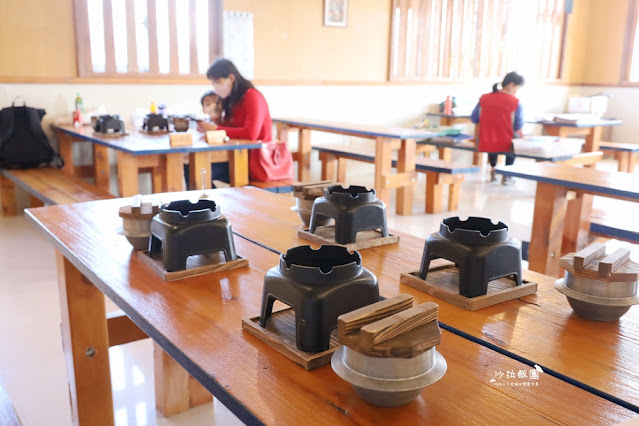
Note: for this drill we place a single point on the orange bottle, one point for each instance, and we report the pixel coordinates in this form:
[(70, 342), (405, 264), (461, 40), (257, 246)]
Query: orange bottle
[(448, 105)]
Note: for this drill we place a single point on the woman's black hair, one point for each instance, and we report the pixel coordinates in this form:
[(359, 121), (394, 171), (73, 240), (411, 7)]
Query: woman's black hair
[(206, 95), (222, 68), (511, 77)]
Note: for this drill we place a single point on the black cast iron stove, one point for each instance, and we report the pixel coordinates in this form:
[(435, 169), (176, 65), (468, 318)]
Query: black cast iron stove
[(480, 249), (107, 124), (354, 209), (320, 285), (155, 123), (184, 229)]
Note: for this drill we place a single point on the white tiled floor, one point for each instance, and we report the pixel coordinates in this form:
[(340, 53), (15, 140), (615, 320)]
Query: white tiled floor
[(32, 366)]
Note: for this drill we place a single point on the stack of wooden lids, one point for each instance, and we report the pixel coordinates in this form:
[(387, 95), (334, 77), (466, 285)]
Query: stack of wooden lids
[(392, 328), (136, 221), (310, 191), (592, 262)]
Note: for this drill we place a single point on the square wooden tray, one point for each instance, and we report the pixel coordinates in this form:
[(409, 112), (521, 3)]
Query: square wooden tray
[(279, 334), (195, 265), (363, 240), (443, 282)]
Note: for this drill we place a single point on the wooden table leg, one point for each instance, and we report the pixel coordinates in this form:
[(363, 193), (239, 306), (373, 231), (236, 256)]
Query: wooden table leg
[(383, 165), (127, 164), (592, 139), (175, 390), (174, 172), (341, 170), (86, 346), (35, 202), (65, 146), (577, 229), (304, 156), (239, 167), (101, 166), (547, 229), (197, 162), (406, 164), (8, 196)]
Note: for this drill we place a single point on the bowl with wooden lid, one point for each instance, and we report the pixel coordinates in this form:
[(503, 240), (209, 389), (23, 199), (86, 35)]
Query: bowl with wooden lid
[(388, 353), (599, 286)]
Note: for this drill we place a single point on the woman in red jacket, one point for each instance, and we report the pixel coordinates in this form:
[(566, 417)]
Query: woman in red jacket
[(500, 116), (245, 111)]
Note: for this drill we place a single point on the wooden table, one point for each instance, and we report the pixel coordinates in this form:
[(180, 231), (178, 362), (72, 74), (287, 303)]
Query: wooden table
[(542, 329), (386, 140), (138, 150), (553, 236), (591, 130), (197, 321)]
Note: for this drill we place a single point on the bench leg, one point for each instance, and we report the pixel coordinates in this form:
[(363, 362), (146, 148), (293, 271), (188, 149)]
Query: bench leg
[(433, 193), (632, 161), (623, 160), (453, 194), (328, 165), (175, 390), (86, 346), (8, 196), (479, 159), (444, 153)]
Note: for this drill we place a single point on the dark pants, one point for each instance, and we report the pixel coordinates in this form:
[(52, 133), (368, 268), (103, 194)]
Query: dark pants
[(219, 171), (492, 157)]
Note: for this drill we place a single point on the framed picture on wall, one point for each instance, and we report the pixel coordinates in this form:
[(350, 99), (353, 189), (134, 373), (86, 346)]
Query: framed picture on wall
[(335, 12)]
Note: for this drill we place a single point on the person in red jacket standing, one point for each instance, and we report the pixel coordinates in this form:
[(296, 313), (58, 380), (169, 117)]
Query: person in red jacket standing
[(500, 116)]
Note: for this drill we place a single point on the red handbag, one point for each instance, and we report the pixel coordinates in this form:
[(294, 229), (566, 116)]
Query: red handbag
[(273, 161)]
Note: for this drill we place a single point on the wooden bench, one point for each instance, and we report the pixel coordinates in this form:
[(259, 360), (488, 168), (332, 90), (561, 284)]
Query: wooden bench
[(625, 153), (438, 173), (284, 186), (46, 186), (614, 225)]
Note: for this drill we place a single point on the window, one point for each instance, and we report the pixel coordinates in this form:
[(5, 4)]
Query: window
[(461, 39), (147, 38), (630, 67)]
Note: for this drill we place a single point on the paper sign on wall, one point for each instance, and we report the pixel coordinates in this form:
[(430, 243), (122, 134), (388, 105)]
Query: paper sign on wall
[(238, 41)]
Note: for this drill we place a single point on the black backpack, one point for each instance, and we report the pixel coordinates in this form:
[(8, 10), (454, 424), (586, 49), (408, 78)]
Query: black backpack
[(23, 143)]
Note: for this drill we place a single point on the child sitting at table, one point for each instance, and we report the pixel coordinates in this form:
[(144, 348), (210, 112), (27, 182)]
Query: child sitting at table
[(212, 106), (501, 117)]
